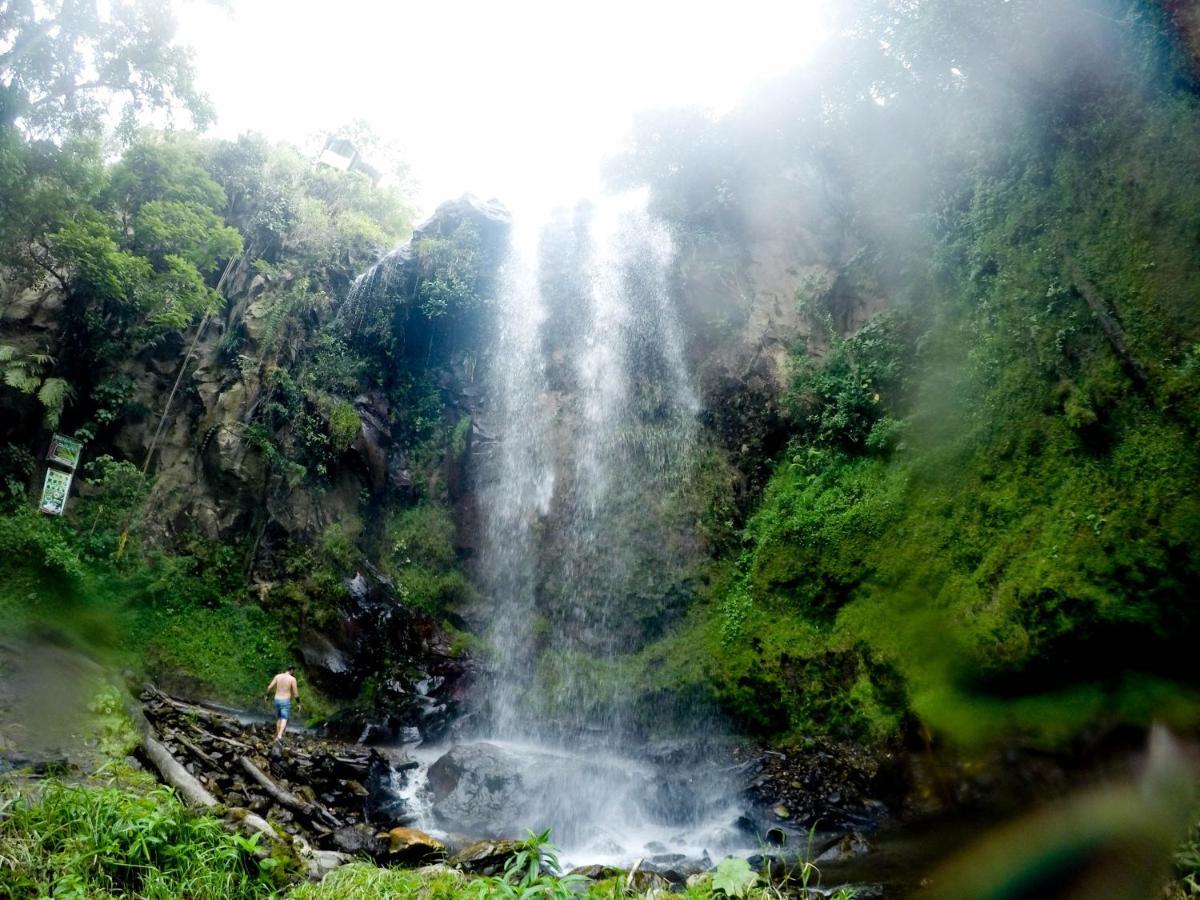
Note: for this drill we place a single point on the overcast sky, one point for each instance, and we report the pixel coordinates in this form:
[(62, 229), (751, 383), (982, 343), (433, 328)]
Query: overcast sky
[(519, 101)]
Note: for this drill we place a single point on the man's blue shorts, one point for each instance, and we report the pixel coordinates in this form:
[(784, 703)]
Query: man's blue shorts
[(283, 709)]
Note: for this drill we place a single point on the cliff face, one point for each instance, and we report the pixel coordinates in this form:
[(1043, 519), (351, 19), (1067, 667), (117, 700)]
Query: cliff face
[(212, 476), (313, 448)]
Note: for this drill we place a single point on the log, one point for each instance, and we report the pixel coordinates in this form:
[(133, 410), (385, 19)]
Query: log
[(175, 774), (311, 811), (231, 742), (222, 720), (198, 753)]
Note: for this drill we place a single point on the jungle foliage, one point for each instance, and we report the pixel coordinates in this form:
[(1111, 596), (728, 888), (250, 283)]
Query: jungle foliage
[(985, 518), (133, 244)]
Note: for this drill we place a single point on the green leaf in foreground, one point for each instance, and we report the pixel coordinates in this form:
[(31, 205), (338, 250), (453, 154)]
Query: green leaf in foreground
[(734, 877)]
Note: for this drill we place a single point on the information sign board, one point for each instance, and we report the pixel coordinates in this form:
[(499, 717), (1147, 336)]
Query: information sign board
[(55, 491)]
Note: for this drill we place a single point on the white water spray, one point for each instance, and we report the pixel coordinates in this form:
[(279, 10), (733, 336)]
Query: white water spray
[(594, 425)]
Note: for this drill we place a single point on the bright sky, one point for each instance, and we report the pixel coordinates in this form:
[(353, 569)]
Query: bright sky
[(518, 100)]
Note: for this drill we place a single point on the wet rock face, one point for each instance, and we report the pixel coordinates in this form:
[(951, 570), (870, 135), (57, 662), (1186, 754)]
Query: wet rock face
[(477, 788), (831, 786), (385, 806), (417, 695)]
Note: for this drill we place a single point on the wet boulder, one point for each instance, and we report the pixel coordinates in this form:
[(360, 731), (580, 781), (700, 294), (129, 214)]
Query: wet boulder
[(596, 872), (644, 881), (476, 788), (385, 806), (485, 857), (847, 847), (412, 847), (359, 840)]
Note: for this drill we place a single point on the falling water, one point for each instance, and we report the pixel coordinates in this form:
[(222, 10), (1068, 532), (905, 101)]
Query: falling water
[(594, 421), (521, 484)]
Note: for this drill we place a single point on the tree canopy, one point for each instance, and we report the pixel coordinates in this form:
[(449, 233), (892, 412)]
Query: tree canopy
[(67, 64)]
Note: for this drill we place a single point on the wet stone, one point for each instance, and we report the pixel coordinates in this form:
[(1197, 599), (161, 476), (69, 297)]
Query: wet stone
[(846, 848), (596, 872), (485, 857), (412, 847)]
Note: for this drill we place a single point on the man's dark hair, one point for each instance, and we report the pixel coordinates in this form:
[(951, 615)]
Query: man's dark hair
[(291, 668)]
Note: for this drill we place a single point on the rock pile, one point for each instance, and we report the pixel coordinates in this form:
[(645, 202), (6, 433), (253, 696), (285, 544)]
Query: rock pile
[(336, 796)]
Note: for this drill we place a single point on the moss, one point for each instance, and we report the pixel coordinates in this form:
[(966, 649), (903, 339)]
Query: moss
[(339, 542), (344, 424), (1016, 549), (422, 561)]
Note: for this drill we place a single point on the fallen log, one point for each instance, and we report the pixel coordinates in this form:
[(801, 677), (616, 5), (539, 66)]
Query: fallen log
[(231, 742), (198, 753), (312, 811), (221, 720), (174, 774)]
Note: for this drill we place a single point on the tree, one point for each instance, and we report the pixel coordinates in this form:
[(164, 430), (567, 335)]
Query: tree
[(64, 63)]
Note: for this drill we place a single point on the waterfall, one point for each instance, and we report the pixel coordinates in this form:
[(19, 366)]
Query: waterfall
[(594, 424), (520, 475)]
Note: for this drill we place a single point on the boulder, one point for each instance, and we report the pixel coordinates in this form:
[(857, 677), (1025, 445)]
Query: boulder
[(385, 806), (413, 847), (476, 788), (485, 857), (358, 839), (643, 881), (322, 862), (848, 847), (596, 872)]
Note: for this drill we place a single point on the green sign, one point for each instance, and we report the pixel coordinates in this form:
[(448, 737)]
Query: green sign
[(55, 491), (65, 451)]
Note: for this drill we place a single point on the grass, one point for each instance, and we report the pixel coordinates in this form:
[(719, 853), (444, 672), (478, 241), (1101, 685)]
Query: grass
[(127, 839), (75, 841)]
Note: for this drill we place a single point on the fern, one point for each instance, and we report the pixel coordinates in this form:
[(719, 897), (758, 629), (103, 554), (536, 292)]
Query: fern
[(16, 376), (54, 395), (7, 352)]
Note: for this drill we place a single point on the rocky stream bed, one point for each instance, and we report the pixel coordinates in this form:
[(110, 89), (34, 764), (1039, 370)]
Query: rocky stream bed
[(336, 800)]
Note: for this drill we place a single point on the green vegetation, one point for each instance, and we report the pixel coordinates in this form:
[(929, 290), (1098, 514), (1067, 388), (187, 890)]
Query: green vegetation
[(985, 517), (182, 619), (422, 560), (1187, 866), (116, 832), (533, 871), (74, 841), (129, 838), (144, 245), (978, 513)]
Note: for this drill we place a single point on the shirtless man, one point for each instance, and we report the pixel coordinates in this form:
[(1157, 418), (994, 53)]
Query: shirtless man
[(286, 690)]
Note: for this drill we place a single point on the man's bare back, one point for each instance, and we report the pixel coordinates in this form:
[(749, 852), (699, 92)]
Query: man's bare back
[(285, 686), (286, 690)]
